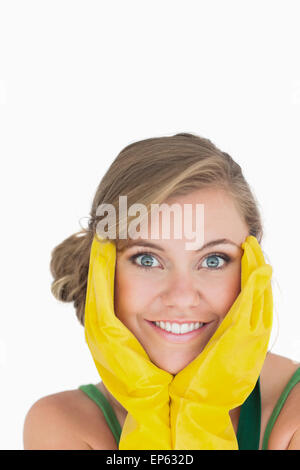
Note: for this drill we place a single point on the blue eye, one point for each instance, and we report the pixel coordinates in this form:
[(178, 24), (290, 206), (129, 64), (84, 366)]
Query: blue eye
[(214, 261), (146, 257), (213, 264)]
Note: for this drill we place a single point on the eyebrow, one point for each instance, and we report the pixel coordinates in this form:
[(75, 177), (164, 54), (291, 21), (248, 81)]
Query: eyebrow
[(220, 241)]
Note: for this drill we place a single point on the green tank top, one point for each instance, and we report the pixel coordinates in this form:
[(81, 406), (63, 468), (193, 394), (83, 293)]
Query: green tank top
[(248, 433)]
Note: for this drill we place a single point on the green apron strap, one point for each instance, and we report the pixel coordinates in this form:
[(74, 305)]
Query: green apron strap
[(248, 433)]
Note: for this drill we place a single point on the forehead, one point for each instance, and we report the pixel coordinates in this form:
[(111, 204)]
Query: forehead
[(221, 219), (221, 216)]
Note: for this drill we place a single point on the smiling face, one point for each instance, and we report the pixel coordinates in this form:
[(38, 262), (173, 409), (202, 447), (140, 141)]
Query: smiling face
[(169, 283)]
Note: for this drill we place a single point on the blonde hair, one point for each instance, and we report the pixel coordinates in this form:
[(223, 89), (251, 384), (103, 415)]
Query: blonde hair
[(149, 172)]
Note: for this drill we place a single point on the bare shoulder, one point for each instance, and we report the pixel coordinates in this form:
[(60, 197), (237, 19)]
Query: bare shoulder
[(275, 374), (66, 420)]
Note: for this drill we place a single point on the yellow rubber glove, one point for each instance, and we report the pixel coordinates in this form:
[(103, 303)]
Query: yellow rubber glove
[(124, 366), (226, 371)]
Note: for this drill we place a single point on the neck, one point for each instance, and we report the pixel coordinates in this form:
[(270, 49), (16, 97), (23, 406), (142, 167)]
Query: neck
[(111, 399)]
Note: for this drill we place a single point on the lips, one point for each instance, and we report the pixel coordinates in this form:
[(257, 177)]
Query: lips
[(180, 322), (178, 338), (174, 327)]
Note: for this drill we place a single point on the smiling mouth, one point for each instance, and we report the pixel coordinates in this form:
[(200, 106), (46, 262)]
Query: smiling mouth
[(178, 333)]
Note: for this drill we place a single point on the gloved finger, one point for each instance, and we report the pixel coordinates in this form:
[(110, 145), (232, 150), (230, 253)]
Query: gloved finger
[(252, 258), (261, 309), (268, 307)]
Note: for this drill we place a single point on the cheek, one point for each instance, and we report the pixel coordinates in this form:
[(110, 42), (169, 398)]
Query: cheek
[(226, 292), (132, 293)]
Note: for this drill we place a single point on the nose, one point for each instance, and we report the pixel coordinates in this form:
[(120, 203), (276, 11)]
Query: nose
[(181, 293)]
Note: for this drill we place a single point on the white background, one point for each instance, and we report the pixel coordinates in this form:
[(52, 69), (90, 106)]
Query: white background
[(80, 80)]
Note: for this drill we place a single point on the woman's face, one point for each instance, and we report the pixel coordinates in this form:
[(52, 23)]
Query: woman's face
[(171, 283)]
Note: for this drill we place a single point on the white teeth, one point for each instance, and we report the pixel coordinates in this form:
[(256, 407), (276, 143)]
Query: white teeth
[(177, 328)]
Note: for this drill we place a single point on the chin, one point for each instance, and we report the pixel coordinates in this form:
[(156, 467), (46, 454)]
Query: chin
[(171, 370), (170, 367)]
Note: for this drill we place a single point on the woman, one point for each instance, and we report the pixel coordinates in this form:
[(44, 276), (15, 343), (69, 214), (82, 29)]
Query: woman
[(162, 286)]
